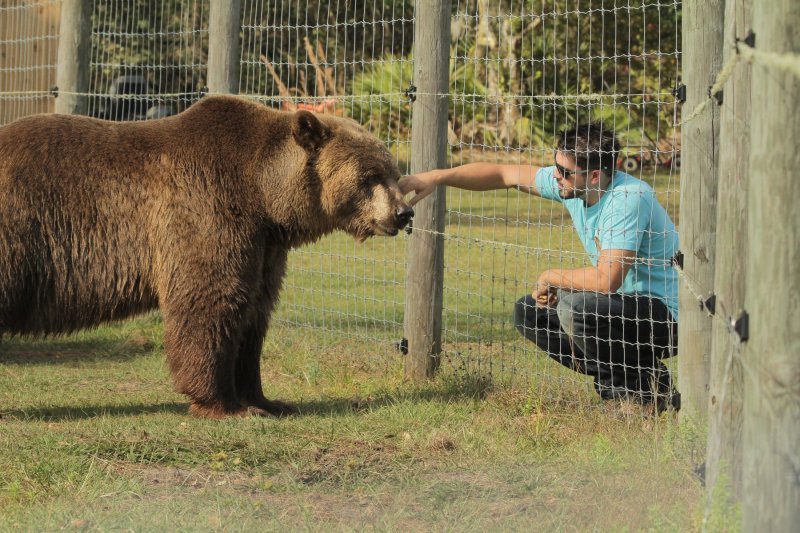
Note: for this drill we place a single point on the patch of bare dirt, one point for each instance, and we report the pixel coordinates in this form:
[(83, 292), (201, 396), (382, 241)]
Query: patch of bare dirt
[(197, 478), (356, 511), (138, 342), (351, 460)]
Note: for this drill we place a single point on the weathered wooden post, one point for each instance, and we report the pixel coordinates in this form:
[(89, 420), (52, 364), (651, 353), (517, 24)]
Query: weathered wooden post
[(771, 443), (74, 49), (224, 25), (424, 283), (726, 386), (702, 60)]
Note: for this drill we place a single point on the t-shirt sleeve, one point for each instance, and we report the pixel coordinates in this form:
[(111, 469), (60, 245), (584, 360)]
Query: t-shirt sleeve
[(547, 185), (625, 219)]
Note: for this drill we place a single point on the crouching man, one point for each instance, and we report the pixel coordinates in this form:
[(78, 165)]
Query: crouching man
[(614, 320)]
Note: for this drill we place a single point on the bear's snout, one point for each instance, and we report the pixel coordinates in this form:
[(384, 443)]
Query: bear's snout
[(403, 216)]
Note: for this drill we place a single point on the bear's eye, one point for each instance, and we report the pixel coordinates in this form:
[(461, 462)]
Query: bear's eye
[(372, 180)]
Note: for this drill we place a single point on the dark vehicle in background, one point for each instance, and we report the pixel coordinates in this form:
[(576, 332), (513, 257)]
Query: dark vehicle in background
[(649, 153), (635, 157), (128, 98)]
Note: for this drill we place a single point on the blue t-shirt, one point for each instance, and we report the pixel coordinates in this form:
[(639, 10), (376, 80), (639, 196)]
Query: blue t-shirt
[(627, 217)]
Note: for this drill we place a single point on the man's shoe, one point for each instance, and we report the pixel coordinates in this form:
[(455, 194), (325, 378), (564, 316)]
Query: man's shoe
[(672, 401)]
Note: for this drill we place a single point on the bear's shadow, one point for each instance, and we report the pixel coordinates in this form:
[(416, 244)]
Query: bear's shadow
[(58, 414), (331, 407), (63, 351)]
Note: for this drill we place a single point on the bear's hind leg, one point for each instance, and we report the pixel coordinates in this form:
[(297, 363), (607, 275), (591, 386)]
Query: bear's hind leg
[(248, 377)]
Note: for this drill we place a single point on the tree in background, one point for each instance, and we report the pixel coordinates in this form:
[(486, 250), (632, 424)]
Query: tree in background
[(519, 69)]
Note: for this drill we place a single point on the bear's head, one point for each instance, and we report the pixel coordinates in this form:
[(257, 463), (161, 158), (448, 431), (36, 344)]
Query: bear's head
[(357, 176)]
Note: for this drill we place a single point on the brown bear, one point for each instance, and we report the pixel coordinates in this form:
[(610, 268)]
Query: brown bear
[(193, 214)]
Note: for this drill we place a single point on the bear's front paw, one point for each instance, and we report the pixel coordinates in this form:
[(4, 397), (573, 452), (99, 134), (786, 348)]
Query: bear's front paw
[(216, 410), (272, 408)]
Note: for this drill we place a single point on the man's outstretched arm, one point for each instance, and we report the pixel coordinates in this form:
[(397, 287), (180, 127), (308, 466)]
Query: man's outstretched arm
[(472, 177)]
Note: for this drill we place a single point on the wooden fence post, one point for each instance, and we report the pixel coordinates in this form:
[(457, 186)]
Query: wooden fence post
[(224, 25), (702, 61), (74, 49), (424, 283), (726, 386), (771, 440)]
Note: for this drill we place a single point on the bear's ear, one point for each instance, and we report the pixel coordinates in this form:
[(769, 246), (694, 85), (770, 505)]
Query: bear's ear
[(309, 131)]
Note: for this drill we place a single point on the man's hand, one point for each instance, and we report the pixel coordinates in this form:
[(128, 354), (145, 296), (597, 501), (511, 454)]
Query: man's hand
[(422, 184), (545, 294)]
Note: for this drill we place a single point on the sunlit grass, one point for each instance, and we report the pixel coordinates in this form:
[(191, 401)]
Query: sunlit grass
[(93, 436)]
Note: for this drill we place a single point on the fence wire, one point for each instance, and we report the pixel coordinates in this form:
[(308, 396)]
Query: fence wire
[(349, 59), (148, 60), (28, 55), (519, 71)]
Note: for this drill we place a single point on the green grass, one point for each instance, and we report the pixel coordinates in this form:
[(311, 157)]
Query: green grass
[(93, 437)]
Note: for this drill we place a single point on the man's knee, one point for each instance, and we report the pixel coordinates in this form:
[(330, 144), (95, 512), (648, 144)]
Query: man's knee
[(533, 322), (524, 313), (569, 309)]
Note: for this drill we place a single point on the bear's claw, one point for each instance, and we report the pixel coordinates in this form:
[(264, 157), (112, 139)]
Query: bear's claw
[(272, 408)]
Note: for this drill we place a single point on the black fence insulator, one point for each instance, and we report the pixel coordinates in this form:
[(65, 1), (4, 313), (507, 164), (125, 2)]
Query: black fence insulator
[(410, 93), (677, 259), (679, 93), (203, 91), (402, 346), (710, 304), (741, 325), (410, 227), (749, 40), (717, 96), (54, 91)]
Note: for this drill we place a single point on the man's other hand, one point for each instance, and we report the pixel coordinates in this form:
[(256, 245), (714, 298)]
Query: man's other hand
[(545, 294)]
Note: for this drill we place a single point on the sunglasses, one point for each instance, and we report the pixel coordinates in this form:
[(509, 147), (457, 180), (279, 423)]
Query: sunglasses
[(566, 173)]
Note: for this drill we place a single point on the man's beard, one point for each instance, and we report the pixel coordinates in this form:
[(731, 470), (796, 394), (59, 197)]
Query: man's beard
[(572, 194)]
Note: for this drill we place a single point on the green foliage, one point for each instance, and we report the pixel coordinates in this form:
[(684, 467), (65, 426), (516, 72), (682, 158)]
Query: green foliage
[(627, 50), (378, 102), (518, 75), (519, 71), (723, 511), (316, 48), (378, 98)]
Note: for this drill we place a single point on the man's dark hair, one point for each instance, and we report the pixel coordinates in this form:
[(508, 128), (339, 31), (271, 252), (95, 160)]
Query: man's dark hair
[(592, 146)]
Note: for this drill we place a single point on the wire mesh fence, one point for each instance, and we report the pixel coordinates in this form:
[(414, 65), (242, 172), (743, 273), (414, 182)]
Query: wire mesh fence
[(148, 59), (519, 71), (28, 50), (350, 59)]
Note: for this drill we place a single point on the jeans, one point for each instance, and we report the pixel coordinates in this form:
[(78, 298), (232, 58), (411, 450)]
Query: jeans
[(617, 339)]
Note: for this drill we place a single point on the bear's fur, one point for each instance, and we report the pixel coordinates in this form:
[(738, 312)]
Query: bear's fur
[(193, 214)]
